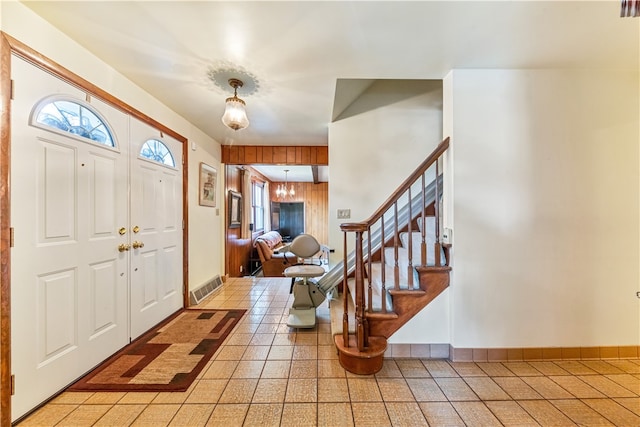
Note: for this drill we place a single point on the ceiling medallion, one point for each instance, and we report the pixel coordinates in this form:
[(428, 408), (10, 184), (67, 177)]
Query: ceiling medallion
[(221, 75)]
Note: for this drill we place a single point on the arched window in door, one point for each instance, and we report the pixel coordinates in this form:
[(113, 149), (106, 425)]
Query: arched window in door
[(156, 151), (71, 116)]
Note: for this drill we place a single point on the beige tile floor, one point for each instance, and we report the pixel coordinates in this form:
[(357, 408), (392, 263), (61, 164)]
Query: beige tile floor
[(267, 374)]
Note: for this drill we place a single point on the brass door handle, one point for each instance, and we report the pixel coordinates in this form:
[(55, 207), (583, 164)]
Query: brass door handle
[(137, 244), (123, 247)]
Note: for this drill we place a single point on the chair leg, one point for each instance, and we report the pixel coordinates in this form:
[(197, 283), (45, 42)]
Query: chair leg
[(293, 280)]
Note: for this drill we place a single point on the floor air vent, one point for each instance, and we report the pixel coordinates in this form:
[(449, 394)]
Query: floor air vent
[(205, 290)]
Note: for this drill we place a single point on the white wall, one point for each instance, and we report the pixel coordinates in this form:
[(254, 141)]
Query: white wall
[(206, 224), (206, 229), (373, 147), (376, 143), (545, 213)]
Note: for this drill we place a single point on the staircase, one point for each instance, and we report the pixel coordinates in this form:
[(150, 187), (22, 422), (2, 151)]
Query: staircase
[(397, 267)]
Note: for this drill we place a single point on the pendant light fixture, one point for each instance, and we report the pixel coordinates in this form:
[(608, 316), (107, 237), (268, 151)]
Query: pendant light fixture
[(282, 191), (629, 8), (235, 116)]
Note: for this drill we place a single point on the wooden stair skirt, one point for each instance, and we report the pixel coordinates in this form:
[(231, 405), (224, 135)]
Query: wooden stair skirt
[(406, 304)]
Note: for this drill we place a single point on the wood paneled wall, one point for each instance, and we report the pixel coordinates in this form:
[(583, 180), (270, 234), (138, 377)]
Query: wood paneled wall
[(316, 206), (238, 250), (268, 154), (314, 196), (316, 210)]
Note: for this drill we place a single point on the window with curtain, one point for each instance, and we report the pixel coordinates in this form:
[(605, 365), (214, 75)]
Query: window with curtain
[(257, 205)]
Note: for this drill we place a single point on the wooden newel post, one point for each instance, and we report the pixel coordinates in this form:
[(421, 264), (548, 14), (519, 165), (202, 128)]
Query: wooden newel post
[(360, 316), (361, 321), (345, 296)]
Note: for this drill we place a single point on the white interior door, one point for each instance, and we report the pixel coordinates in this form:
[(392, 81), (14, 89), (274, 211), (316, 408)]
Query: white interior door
[(69, 282), (156, 222)]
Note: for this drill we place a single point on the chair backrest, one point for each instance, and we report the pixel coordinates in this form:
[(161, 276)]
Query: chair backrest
[(264, 251), (305, 246)]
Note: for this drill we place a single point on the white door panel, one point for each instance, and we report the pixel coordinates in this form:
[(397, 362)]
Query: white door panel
[(146, 278), (103, 279), (103, 196), (156, 208), (57, 328), (58, 192), (171, 271), (69, 197)]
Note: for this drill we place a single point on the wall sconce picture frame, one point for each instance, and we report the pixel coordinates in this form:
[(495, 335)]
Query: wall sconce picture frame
[(235, 209), (208, 183)]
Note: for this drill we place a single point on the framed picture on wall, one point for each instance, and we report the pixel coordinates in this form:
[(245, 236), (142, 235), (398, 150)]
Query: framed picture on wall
[(208, 181), (235, 209)]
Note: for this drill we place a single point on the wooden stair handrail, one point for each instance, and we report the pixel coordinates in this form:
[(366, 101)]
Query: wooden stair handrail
[(433, 157), (363, 297)]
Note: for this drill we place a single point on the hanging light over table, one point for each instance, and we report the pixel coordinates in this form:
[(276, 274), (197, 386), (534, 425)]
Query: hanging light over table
[(629, 8), (235, 116), (282, 191)]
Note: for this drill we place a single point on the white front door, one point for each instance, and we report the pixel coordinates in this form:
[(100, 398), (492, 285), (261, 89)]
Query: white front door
[(69, 282), (156, 223)]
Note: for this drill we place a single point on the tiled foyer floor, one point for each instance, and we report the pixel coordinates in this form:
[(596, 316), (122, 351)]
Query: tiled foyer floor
[(269, 375)]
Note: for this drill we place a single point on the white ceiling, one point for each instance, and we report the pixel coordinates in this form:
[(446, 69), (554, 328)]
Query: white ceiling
[(295, 52), (276, 173)]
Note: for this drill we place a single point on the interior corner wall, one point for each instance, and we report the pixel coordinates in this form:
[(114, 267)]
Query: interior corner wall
[(375, 148), (546, 247), (206, 225), (378, 142)]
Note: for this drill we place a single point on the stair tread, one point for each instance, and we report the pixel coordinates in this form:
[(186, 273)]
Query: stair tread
[(414, 292), (389, 272), (376, 298), (416, 247), (389, 315), (376, 285), (433, 268)]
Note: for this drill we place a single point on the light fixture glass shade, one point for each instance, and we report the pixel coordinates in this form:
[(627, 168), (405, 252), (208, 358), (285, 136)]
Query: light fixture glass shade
[(235, 116), (282, 191)]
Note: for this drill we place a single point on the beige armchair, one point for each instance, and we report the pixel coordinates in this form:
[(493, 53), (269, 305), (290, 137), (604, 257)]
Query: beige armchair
[(273, 262)]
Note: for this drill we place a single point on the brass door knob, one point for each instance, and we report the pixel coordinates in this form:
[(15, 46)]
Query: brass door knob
[(137, 244), (123, 247)]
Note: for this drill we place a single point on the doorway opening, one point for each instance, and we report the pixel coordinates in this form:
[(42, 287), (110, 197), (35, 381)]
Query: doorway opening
[(291, 220)]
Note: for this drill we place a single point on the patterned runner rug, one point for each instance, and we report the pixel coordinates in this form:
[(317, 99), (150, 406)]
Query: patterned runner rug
[(167, 358)]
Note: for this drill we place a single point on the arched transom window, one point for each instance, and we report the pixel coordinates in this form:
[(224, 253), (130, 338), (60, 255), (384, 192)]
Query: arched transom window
[(70, 116), (158, 152)]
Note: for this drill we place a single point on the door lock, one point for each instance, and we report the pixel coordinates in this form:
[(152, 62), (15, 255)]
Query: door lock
[(123, 247), (137, 244)]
